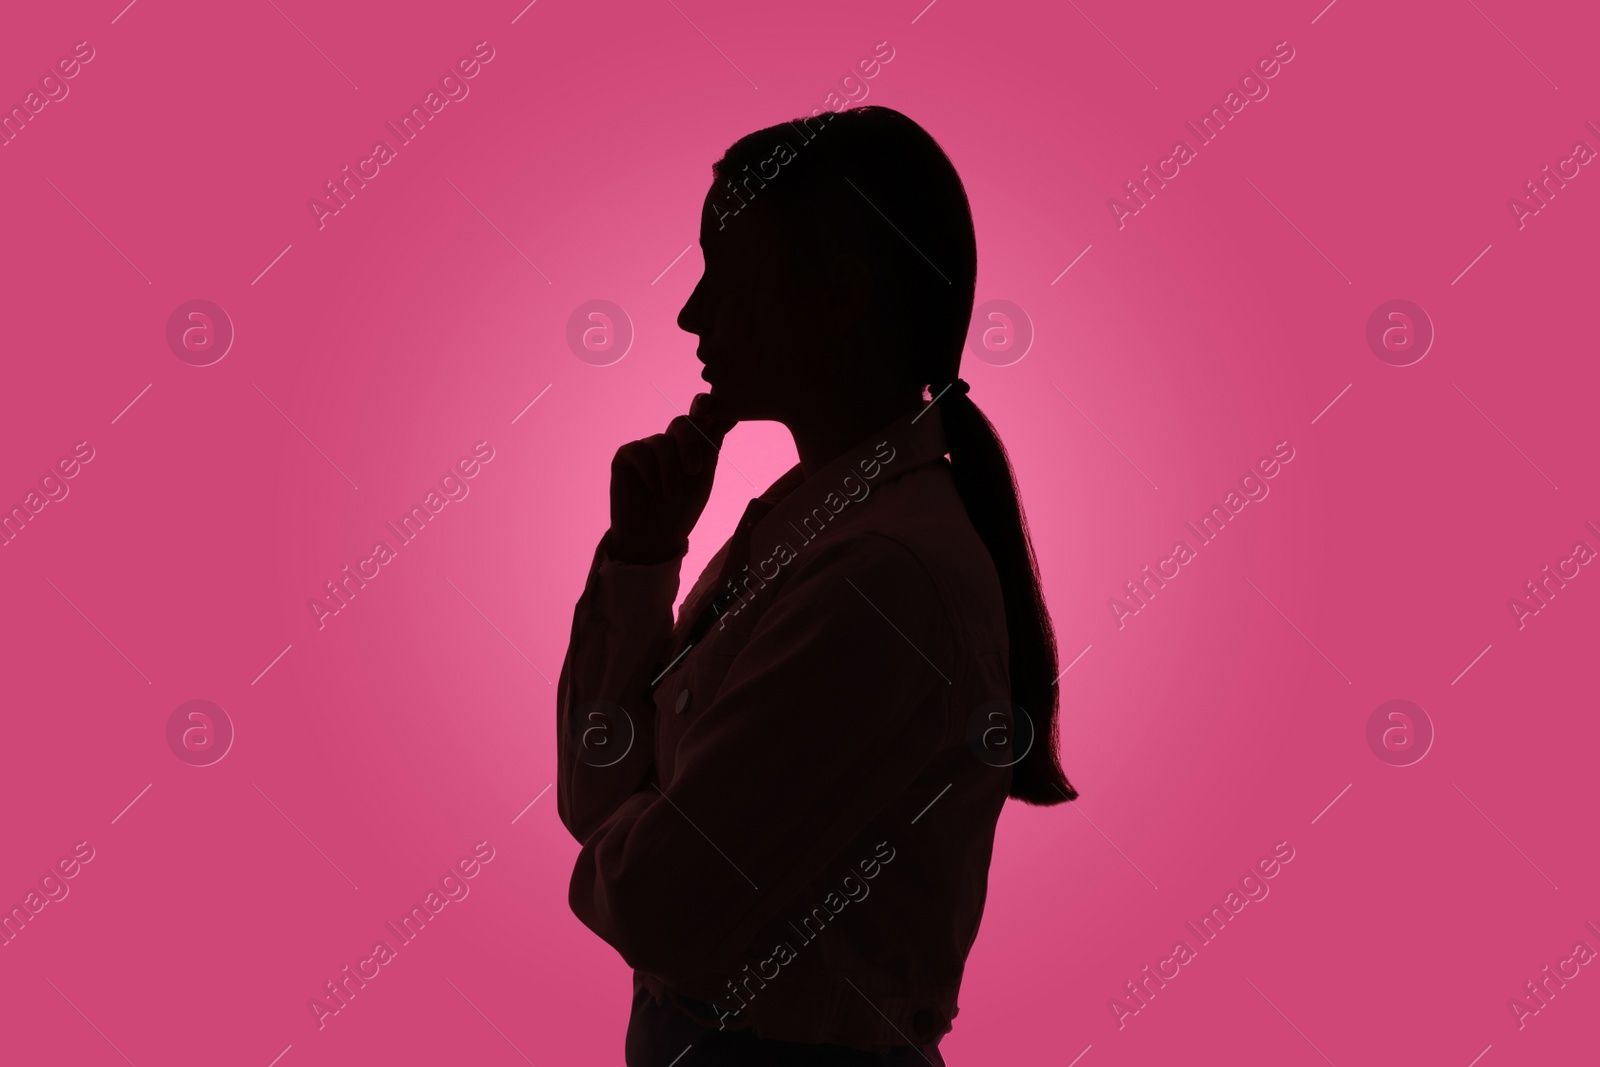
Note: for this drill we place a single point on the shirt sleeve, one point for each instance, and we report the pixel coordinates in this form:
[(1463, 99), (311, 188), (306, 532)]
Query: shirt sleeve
[(620, 630), (838, 700)]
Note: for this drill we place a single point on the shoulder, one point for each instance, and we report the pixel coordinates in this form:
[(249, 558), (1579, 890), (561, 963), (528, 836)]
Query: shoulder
[(914, 537)]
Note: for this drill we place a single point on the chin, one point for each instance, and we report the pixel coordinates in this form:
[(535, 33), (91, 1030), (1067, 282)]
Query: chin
[(728, 400)]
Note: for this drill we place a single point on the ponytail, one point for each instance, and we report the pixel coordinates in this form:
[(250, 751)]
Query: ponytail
[(988, 488)]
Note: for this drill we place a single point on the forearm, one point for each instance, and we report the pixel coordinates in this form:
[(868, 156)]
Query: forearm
[(605, 718)]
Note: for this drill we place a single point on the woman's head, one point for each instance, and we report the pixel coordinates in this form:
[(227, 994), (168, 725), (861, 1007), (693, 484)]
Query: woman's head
[(840, 259), (840, 269)]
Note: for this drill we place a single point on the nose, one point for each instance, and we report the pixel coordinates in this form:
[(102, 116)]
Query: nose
[(689, 315)]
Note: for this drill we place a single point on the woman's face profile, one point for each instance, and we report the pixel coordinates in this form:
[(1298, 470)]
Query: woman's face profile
[(759, 342)]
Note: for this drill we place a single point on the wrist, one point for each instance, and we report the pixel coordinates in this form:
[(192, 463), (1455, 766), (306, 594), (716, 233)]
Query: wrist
[(642, 553)]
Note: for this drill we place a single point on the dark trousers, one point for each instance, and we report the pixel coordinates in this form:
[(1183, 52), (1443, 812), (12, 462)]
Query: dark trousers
[(659, 1035)]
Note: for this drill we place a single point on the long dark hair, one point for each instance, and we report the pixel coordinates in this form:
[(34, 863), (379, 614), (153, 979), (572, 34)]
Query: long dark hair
[(848, 181)]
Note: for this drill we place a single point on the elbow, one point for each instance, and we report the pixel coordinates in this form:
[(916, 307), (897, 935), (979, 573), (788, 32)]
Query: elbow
[(568, 817), (572, 817), (583, 814), (645, 950), (640, 919)]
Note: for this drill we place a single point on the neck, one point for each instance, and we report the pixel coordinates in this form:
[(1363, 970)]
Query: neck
[(823, 437)]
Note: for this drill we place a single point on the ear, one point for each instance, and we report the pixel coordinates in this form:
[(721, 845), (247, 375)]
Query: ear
[(848, 292)]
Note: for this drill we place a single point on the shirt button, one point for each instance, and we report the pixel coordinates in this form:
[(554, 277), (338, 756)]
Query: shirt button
[(683, 701)]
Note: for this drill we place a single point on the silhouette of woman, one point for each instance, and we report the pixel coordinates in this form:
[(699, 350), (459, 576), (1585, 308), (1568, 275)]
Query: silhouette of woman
[(787, 799)]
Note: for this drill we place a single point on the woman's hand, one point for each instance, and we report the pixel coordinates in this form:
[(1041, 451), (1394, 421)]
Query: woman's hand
[(660, 484)]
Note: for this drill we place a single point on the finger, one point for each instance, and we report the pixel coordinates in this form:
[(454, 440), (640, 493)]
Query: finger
[(707, 413), (693, 447), (636, 458), (674, 479)]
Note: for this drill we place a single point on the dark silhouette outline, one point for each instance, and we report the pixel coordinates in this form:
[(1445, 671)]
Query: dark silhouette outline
[(840, 268)]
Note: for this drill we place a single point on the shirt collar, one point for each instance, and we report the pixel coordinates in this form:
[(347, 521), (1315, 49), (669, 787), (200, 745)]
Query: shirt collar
[(796, 509)]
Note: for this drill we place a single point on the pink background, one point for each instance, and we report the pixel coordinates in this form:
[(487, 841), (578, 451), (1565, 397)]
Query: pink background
[(1221, 720)]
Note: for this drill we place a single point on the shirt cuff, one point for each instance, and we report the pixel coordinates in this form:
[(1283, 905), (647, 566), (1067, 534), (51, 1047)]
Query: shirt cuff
[(625, 592)]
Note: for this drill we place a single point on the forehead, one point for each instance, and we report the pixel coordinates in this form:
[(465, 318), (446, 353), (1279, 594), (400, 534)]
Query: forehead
[(731, 227)]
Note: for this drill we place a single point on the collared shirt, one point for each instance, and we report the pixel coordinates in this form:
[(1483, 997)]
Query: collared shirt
[(786, 816)]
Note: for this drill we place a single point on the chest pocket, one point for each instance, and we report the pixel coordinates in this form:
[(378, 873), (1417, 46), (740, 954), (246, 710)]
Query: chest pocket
[(683, 695)]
